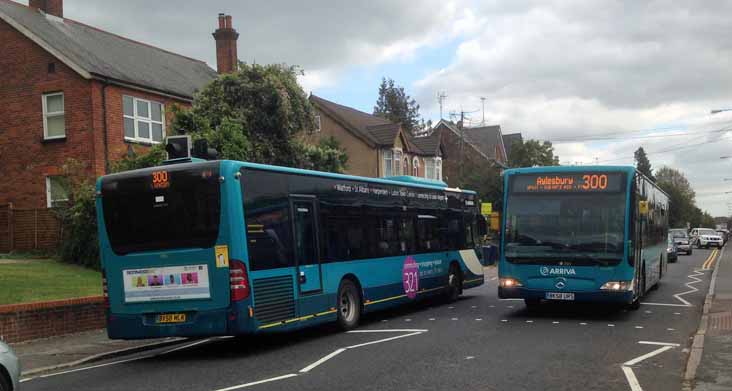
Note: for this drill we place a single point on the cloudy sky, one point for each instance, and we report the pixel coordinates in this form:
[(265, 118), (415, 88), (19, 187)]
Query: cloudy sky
[(597, 78)]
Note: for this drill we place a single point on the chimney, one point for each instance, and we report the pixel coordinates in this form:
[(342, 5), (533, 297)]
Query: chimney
[(225, 36), (51, 7)]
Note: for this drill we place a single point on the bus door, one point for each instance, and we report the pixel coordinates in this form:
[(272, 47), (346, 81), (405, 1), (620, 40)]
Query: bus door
[(305, 229)]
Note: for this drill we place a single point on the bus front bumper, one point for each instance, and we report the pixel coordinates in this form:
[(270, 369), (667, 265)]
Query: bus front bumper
[(625, 297)]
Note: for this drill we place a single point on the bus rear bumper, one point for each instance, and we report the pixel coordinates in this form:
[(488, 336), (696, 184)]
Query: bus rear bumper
[(589, 296), (142, 326)]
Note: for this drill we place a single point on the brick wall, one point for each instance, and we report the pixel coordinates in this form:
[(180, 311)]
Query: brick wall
[(23, 322), (26, 158), (453, 164)]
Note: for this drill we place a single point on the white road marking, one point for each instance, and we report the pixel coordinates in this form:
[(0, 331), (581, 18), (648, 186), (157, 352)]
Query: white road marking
[(677, 313), (384, 340), (473, 306), (407, 320), (666, 304), (363, 331), (504, 320), (555, 322), (478, 319), (322, 360), (610, 325), (451, 308), (583, 324), (659, 343), (671, 329), (529, 321), (469, 357), (186, 346), (258, 382), (648, 312), (431, 319), (454, 319), (639, 327), (509, 306), (628, 371), (688, 284), (494, 278)]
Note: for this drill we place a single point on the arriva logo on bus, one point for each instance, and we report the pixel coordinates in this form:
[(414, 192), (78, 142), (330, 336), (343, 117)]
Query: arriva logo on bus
[(554, 271)]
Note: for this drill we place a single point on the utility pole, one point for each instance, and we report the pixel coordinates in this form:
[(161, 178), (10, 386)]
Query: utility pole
[(441, 99), (462, 142), (482, 101)]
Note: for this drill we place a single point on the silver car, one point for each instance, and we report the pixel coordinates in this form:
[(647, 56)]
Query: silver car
[(9, 369)]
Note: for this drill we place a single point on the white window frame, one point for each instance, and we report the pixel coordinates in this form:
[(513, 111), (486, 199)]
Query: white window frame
[(49, 199), (415, 166), (388, 156), (47, 114), (429, 168), (135, 119), (317, 123), (438, 168), (397, 156)]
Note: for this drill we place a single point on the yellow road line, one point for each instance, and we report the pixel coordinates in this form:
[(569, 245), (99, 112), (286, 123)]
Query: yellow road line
[(710, 261)]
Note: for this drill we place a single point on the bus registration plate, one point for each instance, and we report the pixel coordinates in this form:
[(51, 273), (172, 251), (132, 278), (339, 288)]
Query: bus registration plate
[(171, 318), (559, 296)]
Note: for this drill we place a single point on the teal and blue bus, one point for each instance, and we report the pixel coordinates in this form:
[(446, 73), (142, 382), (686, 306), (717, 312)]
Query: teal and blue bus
[(584, 234), (226, 247)]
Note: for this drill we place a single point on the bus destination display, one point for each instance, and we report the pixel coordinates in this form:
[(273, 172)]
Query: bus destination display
[(593, 182)]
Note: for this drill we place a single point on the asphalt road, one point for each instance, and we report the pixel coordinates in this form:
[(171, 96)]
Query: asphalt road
[(477, 343)]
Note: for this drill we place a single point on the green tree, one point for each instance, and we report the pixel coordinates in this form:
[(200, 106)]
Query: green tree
[(395, 105), (681, 196), (643, 164), (255, 114), (532, 153)]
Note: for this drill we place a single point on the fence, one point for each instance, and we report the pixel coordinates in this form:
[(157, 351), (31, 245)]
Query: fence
[(28, 229)]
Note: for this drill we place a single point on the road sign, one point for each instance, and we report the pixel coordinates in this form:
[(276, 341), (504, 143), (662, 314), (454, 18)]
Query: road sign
[(643, 207), (486, 208)]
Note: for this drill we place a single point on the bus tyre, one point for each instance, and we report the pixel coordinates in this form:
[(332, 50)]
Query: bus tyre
[(349, 305), (454, 283), (4, 382)]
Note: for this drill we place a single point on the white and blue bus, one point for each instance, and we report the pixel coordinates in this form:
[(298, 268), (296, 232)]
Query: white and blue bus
[(589, 234), (228, 247)]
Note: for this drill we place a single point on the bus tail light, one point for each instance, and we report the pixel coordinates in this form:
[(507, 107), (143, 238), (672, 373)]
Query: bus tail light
[(105, 289), (239, 280)]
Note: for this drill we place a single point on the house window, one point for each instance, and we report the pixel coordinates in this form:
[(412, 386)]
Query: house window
[(317, 123), (405, 166), (54, 126), (397, 162), (415, 166), (429, 168), (438, 168), (56, 190), (144, 120), (388, 160)]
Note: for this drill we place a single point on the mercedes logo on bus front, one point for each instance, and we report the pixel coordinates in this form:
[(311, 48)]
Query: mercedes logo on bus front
[(561, 283), (544, 271)]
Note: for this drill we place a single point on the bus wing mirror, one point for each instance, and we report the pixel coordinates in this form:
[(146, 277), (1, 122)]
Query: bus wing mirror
[(482, 226)]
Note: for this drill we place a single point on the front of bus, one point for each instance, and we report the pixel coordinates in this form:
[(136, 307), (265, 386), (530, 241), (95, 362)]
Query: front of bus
[(168, 261), (564, 235)]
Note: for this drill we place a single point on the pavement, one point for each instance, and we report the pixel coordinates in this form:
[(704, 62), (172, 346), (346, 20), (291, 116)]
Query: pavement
[(714, 372), (48, 354), (477, 343)]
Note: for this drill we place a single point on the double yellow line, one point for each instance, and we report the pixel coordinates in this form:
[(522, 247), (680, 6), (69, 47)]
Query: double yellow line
[(707, 265)]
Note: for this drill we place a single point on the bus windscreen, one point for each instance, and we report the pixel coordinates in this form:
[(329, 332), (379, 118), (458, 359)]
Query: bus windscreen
[(166, 207), (576, 227)]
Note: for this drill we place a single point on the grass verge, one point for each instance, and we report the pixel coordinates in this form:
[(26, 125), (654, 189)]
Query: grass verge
[(30, 280)]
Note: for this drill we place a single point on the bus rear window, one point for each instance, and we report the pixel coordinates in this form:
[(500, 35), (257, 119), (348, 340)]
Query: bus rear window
[(162, 208)]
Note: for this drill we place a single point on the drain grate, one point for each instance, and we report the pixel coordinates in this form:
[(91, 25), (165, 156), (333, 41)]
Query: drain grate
[(720, 323)]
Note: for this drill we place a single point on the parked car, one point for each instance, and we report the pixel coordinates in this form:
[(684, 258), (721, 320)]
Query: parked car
[(671, 249), (682, 240), (706, 237), (9, 369), (724, 234)]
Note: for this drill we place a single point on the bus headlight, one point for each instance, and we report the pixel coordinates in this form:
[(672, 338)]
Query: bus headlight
[(617, 286), (509, 283)]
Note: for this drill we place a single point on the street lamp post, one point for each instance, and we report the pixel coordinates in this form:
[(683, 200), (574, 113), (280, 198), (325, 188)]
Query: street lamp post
[(717, 111)]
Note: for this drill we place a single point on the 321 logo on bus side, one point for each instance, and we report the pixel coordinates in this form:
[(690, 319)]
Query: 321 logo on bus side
[(410, 277)]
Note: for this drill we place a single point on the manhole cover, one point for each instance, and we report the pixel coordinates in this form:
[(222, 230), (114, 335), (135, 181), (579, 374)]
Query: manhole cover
[(720, 323)]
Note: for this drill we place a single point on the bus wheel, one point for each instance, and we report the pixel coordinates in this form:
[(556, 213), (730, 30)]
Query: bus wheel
[(635, 305), (454, 283), (349, 305)]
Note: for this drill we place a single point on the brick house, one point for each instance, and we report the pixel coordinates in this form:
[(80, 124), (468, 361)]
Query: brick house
[(469, 147), (69, 90), (375, 146), (509, 140)]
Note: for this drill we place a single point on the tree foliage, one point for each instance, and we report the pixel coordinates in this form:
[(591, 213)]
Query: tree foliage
[(532, 153), (643, 164), (682, 200), (395, 105)]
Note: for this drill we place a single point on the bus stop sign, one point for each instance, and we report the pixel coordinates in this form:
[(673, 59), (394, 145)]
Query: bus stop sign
[(486, 208)]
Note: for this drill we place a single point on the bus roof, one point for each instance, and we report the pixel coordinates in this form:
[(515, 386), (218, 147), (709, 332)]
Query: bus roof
[(404, 180), (534, 170)]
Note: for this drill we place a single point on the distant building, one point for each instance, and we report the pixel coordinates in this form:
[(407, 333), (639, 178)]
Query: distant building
[(469, 147), (69, 90), (509, 140), (376, 147)]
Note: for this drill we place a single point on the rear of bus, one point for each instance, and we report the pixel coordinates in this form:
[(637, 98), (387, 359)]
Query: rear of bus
[(564, 235), (168, 260)]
